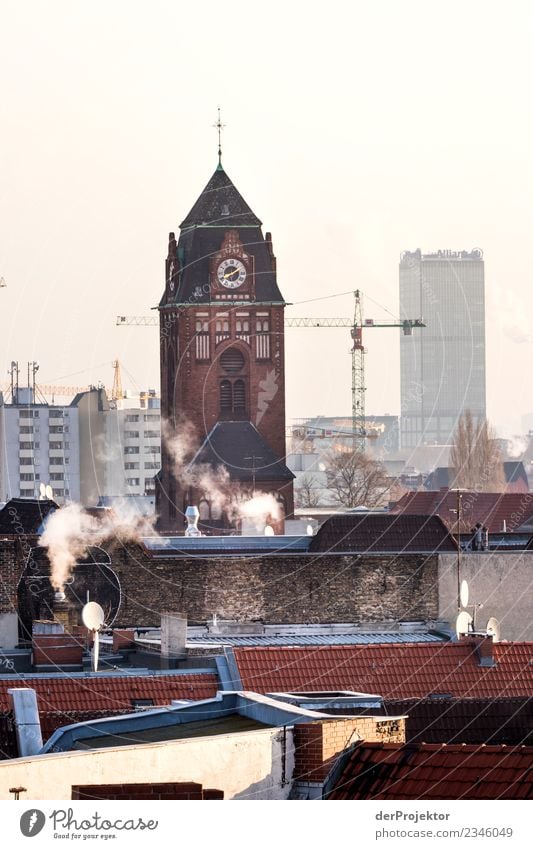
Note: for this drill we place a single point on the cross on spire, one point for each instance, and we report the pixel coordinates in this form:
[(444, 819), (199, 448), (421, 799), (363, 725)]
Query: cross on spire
[(219, 126)]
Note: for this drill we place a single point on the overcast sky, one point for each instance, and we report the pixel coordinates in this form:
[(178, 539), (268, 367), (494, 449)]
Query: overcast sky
[(354, 130)]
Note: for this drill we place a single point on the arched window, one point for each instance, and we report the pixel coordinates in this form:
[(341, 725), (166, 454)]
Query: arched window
[(226, 396), (232, 360), (239, 396)]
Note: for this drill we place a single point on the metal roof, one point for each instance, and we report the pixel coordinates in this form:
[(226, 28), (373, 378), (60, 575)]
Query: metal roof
[(313, 640)]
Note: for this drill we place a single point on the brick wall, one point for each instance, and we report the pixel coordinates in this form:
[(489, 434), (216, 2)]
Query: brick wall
[(306, 589), (318, 743), (168, 791)]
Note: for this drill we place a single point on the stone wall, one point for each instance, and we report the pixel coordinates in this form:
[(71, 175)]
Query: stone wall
[(276, 588)]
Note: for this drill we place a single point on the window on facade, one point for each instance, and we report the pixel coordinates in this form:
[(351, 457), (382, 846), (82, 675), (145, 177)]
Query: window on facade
[(262, 338), (133, 481), (27, 476), (151, 434), (131, 449), (55, 414), (56, 428), (226, 396), (132, 465), (56, 476), (25, 461), (239, 396), (131, 434), (232, 360), (55, 461), (151, 417), (202, 337), (152, 449), (132, 417), (26, 446), (26, 414), (55, 446), (26, 428), (222, 328), (151, 465)]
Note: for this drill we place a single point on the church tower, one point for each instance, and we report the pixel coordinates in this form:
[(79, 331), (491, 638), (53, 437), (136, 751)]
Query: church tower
[(222, 364)]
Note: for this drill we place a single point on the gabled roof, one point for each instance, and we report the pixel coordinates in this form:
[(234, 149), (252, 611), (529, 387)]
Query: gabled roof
[(429, 771), (444, 476), (392, 671), (379, 532), (25, 515), (88, 692), (488, 508), (220, 205), (233, 444)]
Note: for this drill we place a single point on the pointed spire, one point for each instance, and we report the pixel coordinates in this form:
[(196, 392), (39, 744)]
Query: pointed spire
[(219, 126)]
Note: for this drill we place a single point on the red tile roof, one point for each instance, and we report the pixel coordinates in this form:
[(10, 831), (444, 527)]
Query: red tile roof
[(488, 508), (394, 671), (86, 693), (429, 771), (380, 532)]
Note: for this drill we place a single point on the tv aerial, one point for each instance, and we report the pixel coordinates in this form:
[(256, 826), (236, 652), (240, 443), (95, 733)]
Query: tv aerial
[(93, 618)]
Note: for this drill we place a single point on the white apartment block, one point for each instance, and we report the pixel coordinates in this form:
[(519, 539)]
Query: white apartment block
[(39, 444)]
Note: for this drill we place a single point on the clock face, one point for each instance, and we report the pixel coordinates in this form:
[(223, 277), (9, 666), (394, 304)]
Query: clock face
[(231, 273)]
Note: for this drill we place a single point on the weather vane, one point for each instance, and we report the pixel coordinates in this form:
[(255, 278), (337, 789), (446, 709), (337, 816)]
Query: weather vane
[(219, 126)]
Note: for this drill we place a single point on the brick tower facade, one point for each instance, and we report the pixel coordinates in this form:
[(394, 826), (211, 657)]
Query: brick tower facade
[(222, 363)]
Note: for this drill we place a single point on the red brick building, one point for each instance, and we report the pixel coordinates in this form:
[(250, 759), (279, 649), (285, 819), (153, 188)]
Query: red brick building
[(222, 360)]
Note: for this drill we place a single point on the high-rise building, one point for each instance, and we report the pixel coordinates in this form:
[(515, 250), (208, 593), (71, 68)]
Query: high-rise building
[(222, 358), (442, 366)]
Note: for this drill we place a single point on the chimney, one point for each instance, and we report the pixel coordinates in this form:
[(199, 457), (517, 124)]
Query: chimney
[(484, 649), (173, 637), (23, 703)]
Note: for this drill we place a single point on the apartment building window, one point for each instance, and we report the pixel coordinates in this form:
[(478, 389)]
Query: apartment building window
[(55, 446), (152, 417), (26, 414), (152, 449), (26, 461), (132, 417), (130, 466), (151, 465), (131, 434), (25, 428), (59, 493), (28, 446), (56, 476), (151, 434), (27, 476), (55, 461), (56, 428), (149, 486), (133, 481), (131, 449), (26, 493), (55, 414)]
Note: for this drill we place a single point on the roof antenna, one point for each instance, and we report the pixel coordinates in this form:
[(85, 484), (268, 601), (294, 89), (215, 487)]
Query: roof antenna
[(219, 126)]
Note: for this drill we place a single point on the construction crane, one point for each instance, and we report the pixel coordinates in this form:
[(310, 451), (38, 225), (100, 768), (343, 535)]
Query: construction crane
[(356, 325)]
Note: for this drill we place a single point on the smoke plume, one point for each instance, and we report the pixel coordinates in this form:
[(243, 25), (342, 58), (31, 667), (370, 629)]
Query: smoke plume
[(70, 531)]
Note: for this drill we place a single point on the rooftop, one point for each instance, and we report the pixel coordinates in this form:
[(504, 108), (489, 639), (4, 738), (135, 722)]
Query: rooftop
[(431, 771), (383, 532), (400, 671), (491, 509)]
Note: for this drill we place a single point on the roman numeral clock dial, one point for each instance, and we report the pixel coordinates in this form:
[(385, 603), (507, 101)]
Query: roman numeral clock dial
[(231, 273)]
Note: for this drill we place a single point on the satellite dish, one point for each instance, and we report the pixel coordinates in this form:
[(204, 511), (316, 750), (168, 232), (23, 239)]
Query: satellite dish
[(462, 623), (92, 616), (463, 595), (42, 491), (493, 629), (93, 619), (49, 492)]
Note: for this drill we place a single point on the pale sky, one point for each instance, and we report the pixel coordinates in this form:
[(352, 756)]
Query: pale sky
[(354, 130)]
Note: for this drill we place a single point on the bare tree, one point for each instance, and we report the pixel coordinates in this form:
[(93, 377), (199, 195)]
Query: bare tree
[(476, 457), (307, 492), (355, 480)]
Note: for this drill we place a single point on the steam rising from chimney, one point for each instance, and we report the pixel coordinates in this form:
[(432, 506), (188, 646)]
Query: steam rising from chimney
[(70, 531)]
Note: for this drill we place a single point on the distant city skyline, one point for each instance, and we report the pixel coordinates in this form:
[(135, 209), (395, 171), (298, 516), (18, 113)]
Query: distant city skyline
[(347, 162)]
